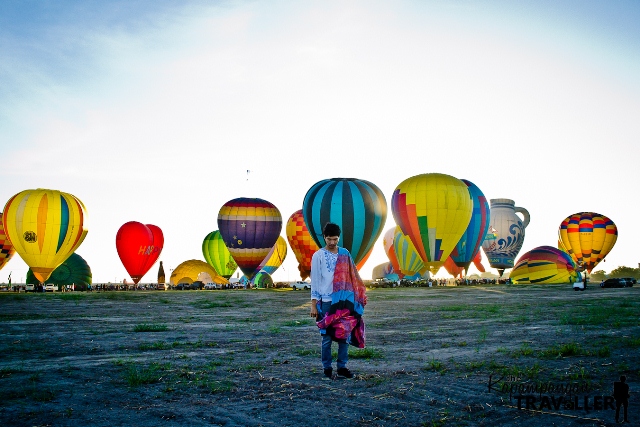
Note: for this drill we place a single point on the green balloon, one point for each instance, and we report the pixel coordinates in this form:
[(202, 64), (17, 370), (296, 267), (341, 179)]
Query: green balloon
[(262, 279), (74, 271), (217, 255)]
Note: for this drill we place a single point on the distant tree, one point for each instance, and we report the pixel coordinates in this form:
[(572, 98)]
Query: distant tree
[(598, 275), (624, 271)]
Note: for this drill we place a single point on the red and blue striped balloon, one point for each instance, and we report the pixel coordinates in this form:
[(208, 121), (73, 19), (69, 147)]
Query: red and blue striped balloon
[(356, 205), (471, 241)]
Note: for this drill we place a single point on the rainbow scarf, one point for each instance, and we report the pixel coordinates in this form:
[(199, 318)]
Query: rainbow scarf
[(344, 322)]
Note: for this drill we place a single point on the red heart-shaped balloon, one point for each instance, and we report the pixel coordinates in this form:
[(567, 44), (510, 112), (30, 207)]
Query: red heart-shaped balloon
[(139, 247)]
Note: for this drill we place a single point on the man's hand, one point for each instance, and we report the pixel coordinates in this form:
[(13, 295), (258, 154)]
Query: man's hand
[(314, 308)]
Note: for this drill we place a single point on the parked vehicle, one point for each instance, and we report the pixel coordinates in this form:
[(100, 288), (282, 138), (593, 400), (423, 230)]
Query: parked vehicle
[(617, 282), (301, 285)]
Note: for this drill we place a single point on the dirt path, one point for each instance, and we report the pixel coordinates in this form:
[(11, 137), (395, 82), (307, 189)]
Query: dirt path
[(251, 358)]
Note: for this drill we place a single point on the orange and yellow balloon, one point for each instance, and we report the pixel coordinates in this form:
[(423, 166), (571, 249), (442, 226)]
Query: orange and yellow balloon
[(587, 237), (433, 210), (45, 227)]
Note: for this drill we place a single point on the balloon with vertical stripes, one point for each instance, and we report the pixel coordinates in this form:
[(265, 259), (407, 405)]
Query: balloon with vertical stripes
[(45, 227), (356, 205)]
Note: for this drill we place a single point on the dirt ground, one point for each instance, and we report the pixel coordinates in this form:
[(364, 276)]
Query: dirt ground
[(435, 357)]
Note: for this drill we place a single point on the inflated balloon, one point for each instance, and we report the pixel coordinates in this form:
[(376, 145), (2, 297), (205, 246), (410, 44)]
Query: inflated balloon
[(249, 228), (452, 268), (588, 237), (471, 241), (361, 263), (73, 271), (275, 257), (262, 279), (387, 242), (192, 270), (433, 210), (6, 248), (357, 206), (45, 227), (409, 261), (384, 271), (477, 261), (139, 247), (217, 255), (544, 264), (506, 233), (301, 242)]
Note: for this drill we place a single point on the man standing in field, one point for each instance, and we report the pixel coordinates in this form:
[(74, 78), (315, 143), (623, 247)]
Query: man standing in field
[(338, 297)]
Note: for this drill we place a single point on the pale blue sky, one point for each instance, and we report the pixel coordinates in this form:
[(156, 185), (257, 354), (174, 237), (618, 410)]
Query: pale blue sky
[(153, 111)]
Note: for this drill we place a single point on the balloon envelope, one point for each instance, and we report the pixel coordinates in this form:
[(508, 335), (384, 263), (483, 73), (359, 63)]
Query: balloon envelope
[(217, 255), (471, 241), (190, 271), (433, 210), (139, 247), (587, 237), (6, 248), (387, 242), (301, 242), (249, 228), (409, 260), (356, 205), (452, 268), (45, 227), (73, 271), (544, 264), (275, 257), (262, 279)]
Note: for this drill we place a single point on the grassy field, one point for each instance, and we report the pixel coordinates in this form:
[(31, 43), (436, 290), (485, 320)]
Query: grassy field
[(434, 357)]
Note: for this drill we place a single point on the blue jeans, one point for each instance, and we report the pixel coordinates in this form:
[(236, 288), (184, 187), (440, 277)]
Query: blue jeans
[(343, 347)]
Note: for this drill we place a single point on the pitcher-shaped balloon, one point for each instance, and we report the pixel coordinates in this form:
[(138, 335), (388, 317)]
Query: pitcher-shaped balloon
[(506, 233)]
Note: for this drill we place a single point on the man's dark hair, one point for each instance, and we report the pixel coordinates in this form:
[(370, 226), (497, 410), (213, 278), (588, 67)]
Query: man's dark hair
[(331, 229)]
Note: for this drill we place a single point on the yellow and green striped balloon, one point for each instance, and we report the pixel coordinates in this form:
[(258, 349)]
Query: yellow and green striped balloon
[(217, 255)]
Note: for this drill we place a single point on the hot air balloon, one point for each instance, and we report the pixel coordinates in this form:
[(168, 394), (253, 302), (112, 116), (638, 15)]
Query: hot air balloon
[(262, 279), (217, 255), (506, 233), (275, 257), (45, 227), (139, 247), (452, 268), (409, 261), (387, 242), (249, 228), (301, 243), (6, 248), (73, 271), (544, 264), (587, 237), (471, 241), (357, 206), (194, 270), (433, 210), (477, 261)]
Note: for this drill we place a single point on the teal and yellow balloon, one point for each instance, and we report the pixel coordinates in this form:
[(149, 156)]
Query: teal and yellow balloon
[(433, 210), (45, 227), (217, 255), (275, 258), (409, 261)]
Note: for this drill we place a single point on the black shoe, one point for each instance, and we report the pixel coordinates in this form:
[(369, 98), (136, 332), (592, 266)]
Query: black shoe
[(344, 372), (328, 372)]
